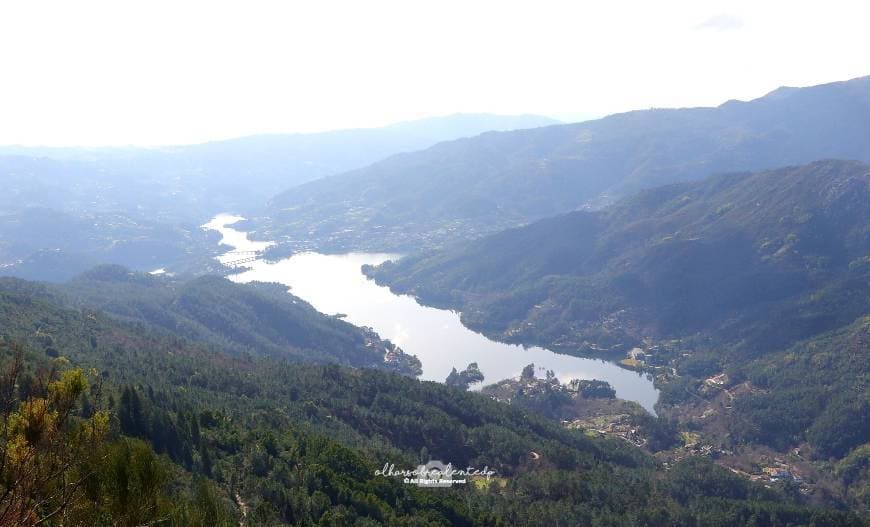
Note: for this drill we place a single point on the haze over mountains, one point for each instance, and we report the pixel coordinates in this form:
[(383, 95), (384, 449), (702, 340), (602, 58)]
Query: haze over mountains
[(66, 209), (194, 181), (477, 185)]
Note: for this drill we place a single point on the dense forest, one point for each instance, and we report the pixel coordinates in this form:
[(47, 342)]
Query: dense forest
[(816, 392), (149, 427), (667, 263), (258, 319)]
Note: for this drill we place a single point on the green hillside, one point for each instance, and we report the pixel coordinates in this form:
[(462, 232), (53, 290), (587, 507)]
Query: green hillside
[(259, 319), (761, 276), (710, 256), (268, 442)]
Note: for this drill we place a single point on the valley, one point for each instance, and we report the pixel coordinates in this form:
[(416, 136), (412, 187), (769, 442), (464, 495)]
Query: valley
[(334, 284)]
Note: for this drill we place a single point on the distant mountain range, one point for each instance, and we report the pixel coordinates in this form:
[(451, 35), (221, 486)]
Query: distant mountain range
[(194, 182), (63, 210), (473, 186)]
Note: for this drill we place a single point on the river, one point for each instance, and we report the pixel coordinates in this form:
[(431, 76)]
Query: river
[(335, 284)]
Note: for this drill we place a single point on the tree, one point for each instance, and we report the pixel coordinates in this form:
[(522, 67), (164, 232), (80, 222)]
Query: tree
[(528, 372), (453, 378), (45, 446), (130, 413), (470, 375)]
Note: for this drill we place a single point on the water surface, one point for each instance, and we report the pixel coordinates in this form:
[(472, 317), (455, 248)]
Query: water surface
[(334, 284)]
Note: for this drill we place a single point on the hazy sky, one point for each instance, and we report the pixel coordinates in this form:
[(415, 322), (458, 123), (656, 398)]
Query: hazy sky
[(154, 72)]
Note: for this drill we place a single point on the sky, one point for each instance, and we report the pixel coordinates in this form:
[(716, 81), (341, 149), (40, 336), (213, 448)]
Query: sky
[(170, 72)]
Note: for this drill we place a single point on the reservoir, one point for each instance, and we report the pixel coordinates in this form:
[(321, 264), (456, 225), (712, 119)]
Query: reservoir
[(335, 285)]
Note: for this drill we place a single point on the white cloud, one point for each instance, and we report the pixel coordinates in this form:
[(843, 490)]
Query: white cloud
[(723, 22), (116, 72)]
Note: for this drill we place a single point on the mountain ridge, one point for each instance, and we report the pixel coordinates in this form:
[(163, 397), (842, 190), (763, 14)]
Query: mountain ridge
[(474, 186), (810, 231)]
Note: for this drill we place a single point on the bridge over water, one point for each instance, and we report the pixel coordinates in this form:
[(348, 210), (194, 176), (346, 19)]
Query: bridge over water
[(241, 257)]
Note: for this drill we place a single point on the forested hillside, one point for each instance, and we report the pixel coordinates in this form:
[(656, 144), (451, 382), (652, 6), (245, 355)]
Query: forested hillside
[(746, 295), (241, 319), (710, 256), (267, 442), (39, 243)]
